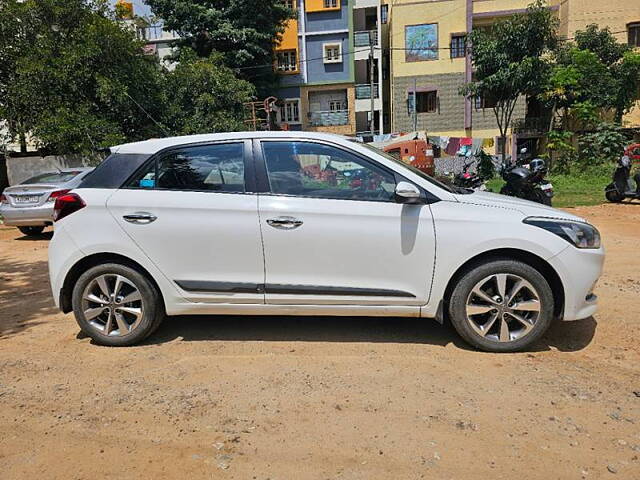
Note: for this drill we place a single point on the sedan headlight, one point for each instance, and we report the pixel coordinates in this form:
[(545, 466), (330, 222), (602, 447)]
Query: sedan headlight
[(580, 234)]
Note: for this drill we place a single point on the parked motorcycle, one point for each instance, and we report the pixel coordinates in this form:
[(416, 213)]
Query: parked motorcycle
[(528, 183), (622, 185), (465, 179)]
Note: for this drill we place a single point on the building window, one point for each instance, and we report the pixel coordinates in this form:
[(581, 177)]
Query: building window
[(426, 102), (332, 53), (287, 61), (290, 4), (481, 102), (457, 46), (384, 14), (336, 105), (290, 112), (330, 3), (634, 34)]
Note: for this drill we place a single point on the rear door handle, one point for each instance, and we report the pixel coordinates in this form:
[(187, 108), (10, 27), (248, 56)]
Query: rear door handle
[(140, 218), (284, 223)]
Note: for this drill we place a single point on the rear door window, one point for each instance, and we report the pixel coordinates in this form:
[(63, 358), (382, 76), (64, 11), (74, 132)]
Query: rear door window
[(216, 168)]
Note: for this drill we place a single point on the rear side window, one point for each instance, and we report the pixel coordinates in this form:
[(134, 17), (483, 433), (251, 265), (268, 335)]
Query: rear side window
[(114, 170), (217, 168), (52, 177)]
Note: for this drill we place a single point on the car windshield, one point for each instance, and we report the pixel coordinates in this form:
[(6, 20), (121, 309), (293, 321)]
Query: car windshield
[(420, 173), (53, 177)]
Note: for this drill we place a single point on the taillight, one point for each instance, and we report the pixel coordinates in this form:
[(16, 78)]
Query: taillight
[(67, 204), (56, 194), (3, 198)]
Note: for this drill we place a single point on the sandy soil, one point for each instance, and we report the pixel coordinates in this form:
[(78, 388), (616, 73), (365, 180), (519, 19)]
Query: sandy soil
[(319, 398)]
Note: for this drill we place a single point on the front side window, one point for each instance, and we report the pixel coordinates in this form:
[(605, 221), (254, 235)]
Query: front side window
[(322, 171), (217, 168)]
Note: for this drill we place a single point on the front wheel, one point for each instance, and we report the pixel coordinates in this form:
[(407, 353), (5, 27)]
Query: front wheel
[(116, 305), (501, 306), (31, 231)]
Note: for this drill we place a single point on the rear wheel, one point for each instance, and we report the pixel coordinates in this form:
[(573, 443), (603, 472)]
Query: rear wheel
[(501, 306), (29, 231), (116, 305), (613, 195)]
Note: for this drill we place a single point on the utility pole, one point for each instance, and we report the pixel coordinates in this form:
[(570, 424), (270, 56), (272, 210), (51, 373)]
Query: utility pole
[(415, 106), (372, 123)]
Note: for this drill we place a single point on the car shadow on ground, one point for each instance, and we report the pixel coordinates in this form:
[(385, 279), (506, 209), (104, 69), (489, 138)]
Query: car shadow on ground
[(34, 238), (563, 336), (25, 295)]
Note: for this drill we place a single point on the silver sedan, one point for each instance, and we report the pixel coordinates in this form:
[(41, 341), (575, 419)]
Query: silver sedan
[(29, 205)]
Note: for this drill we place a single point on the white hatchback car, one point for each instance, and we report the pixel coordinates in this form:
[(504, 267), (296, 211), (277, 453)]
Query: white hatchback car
[(290, 223)]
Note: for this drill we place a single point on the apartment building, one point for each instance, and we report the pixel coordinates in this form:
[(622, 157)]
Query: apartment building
[(429, 62), (330, 61)]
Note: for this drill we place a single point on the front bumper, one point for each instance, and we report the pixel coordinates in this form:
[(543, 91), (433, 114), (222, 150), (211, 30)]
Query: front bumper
[(35, 216), (579, 270)]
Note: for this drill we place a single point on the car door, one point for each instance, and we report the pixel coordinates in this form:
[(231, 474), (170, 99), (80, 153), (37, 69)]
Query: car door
[(193, 211), (333, 233)]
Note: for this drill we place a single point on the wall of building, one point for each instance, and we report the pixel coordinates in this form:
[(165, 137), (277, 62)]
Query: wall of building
[(320, 72)]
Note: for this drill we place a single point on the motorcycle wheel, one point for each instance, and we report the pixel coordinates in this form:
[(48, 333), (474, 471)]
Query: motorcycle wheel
[(613, 195)]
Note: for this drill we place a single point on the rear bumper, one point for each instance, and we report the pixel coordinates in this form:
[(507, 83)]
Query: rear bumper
[(579, 270), (27, 216)]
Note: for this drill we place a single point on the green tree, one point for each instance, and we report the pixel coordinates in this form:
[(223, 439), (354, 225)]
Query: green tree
[(204, 96), (511, 60), (243, 31), (75, 78)]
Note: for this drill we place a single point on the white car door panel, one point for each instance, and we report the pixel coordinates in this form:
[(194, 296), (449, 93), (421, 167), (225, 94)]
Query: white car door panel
[(368, 250), (207, 242)]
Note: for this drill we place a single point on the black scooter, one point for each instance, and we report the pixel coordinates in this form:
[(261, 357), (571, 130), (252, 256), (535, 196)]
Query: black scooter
[(622, 185), (528, 183)]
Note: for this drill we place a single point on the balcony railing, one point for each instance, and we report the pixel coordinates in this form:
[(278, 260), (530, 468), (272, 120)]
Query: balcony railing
[(329, 118), (364, 38), (531, 125), (363, 91)]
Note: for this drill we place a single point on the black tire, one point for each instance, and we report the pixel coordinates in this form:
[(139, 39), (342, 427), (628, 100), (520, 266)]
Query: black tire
[(476, 274), (613, 195), (31, 231), (151, 304)]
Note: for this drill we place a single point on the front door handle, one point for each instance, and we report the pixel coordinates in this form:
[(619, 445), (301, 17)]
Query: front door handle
[(284, 223), (140, 218)]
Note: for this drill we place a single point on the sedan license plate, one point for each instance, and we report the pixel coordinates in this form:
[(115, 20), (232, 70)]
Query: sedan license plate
[(26, 198)]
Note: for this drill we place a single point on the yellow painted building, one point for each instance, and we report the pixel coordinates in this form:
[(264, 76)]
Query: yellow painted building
[(429, 63)]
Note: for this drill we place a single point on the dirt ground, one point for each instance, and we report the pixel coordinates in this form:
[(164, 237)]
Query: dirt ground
[(319, 398)]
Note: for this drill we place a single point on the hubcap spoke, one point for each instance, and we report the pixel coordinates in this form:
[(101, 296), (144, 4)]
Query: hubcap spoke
[(123, 326), (94, 298), (527, 306), (108, 325), (132, 297), (504, 330), (525, 323), (92, 313), (487, 326), (515, 289), (483, 295), (501, 283), (476, 309), (116, 288), (133, 311), (102, 283)]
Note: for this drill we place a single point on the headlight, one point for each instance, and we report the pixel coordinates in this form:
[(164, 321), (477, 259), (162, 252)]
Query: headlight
[(580, 234)]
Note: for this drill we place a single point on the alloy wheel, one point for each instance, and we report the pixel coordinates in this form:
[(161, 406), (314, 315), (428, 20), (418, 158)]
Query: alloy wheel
[(112, 304), (503, 307)]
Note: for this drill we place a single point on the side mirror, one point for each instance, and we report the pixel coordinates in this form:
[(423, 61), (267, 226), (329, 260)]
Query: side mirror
[(407, 193)]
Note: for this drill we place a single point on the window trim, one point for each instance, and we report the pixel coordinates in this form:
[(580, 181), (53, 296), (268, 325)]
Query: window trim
[(326, 45), (247, 157), (262, 175)]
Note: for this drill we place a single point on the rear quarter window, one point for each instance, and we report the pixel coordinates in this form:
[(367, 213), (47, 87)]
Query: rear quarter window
[(114, 170)]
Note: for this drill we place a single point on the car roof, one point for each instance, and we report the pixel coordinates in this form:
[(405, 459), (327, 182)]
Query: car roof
[(156, 144)]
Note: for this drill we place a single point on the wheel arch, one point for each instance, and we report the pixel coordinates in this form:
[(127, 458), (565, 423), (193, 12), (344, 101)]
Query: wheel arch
[(66, 292), (531, 259)]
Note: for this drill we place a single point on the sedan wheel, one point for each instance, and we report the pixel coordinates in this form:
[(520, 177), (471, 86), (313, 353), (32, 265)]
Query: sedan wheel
[(501, 306), (112, 304), (116, 305)]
